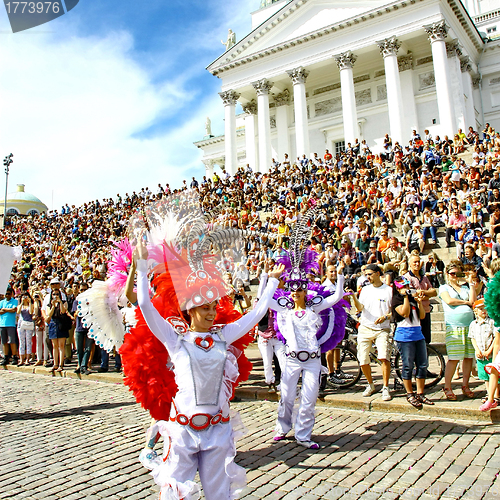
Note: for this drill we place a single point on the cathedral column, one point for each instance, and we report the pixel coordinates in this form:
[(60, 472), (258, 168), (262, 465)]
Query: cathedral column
[(298, 77), (230, 98), (454, 51), (470, 113), (345, 62), (250, 137), (281, 101), (262, 88), (410, 119), (389, 49), (437, 33), (209, 168)]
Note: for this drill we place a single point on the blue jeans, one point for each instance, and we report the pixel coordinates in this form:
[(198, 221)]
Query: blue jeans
[(426, 230), (413, 353), (105, 360), (83, 346)]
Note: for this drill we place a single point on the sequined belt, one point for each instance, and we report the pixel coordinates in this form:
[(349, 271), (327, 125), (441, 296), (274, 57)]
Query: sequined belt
[(199, 421), (303, 355)]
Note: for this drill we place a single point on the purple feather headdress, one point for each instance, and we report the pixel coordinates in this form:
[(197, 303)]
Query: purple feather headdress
[(299, 260)]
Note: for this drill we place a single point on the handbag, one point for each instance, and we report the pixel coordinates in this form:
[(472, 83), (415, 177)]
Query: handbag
[(27, 325)]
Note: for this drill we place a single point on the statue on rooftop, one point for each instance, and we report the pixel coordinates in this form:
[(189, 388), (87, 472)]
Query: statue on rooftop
[(231, 39)]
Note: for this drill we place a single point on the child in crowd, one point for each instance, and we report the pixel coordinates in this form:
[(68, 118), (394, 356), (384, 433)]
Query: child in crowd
[(493, 369), (482, 333)]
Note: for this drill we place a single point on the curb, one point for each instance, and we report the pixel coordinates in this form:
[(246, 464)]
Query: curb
[(443, 409)]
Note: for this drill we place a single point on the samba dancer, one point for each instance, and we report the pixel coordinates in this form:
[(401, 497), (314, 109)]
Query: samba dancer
[(198, 432), (308, 325)]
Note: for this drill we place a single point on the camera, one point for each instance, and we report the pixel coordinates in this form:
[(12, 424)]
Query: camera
[(411, 292)]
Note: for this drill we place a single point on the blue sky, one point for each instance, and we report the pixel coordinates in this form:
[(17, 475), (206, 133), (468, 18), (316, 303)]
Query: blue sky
[(110, 97)]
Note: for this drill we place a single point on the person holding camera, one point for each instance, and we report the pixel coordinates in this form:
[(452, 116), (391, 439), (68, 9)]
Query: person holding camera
[(408, 310), (59, 324), (26, 328), (458, 299)]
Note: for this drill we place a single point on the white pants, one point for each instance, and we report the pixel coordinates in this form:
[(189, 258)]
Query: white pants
[(42, 352), (210, 451), (311, 372), (267, 348), (25, 337)]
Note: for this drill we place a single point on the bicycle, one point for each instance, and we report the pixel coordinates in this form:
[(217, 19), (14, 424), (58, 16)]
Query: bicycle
[(349, 363)]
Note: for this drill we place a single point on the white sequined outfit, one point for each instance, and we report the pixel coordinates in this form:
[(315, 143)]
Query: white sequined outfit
[(205, 367)]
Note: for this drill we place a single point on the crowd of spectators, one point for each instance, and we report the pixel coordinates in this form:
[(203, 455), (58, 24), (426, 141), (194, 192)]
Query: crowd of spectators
[(370, 209)]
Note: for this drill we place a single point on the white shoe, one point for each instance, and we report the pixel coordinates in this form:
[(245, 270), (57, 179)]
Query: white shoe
[(308, 444), (370, 389), (149, 458), (386, 395)]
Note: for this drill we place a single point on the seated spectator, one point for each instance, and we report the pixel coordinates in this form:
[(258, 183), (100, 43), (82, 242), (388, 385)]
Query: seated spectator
[(428, 227), (471, 258), (384, 240), (434, 270), (394, 254), (374, 256), (362, 246), (415, 238), (346, 249), (241, 275), (456, 223)]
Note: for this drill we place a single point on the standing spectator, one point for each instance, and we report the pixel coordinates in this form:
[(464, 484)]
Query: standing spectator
[(8, 310), (420, 282), (374, 303), (458, 299), (408, 312), (42, 351), (26, 328), (482, 335), (83, 342), (55, 317)]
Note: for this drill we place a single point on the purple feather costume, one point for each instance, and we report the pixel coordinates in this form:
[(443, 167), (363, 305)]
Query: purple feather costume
[(308, 264)]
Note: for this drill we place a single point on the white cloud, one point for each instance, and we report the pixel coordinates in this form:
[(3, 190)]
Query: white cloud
[(73, 111)]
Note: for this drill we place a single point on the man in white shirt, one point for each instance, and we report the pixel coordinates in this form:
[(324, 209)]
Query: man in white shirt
[(375, 304)]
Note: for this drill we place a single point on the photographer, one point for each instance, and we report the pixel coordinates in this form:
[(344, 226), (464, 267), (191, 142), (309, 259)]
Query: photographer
[(26, 328), (42, 351), (408, 311), (59, 324)]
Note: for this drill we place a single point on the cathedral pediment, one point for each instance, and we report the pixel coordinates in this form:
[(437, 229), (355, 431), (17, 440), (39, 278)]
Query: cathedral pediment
[(294, 21)]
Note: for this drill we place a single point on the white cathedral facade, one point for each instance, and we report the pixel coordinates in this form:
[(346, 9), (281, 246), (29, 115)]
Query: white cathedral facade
[(317, 74)]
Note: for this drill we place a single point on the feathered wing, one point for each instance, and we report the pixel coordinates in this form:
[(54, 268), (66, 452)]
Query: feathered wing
[(98, 308), (146, 367), (492, 299)]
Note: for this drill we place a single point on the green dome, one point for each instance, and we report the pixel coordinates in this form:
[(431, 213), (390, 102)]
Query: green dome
[(23, 203), (22, 196)]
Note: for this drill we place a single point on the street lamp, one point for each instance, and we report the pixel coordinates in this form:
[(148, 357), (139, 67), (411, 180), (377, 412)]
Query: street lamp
[(7, 161)]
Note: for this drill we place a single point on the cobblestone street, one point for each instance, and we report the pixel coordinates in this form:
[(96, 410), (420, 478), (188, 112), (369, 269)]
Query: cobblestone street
[(68, 439)]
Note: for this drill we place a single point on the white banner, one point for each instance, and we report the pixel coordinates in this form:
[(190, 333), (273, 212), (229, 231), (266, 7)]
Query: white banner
[(7, 257)]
